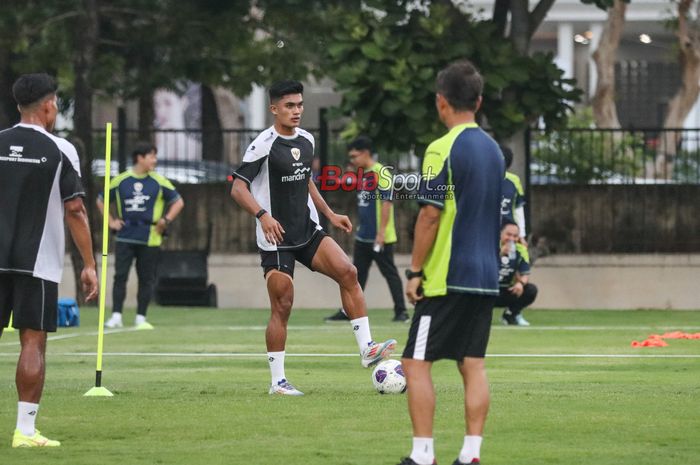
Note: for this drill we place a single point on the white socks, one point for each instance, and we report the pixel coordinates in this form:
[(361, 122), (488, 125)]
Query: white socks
[(360, 327), (26, 417), (471, 449), (423, 452), (276, 360)]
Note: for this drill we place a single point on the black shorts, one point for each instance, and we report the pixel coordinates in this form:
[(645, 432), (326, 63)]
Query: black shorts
[(452, 326), (283, 260), (33, 302)]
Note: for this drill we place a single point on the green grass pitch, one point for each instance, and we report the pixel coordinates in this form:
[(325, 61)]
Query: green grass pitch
[(194, 391)]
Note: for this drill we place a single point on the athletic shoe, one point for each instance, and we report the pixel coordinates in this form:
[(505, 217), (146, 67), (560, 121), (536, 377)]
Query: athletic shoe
[(21, 440), (409, 461), (285, 388), (521, 321), (337, 316), (507, 318), (401, 318), (144, 325), (474, 461), (377, 351), (114, 322)]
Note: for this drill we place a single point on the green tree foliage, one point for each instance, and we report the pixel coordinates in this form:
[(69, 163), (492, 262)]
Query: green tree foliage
[(147, 44), (385, 62)]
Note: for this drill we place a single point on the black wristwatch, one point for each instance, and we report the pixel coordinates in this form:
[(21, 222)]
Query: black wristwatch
[(413, 274), (259, 214)]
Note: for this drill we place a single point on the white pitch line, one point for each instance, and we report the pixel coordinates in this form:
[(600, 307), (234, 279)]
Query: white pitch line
[(334, 327), (59, 337), (243, 355), (338, 327)]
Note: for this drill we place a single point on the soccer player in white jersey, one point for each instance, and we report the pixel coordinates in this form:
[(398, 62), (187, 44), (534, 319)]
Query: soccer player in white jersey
[(274, 184)]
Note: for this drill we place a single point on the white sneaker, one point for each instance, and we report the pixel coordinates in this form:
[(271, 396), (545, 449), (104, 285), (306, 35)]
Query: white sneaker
[(521, 321), (285, 388), (377, 351), (141, 323), (115, 321)]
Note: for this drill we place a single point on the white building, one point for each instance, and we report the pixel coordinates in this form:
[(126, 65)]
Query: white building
[(647, 71)]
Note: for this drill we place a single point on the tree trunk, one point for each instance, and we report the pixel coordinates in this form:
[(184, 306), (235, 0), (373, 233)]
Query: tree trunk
[(519, 36), (9, 115), (604, 109), (500, 16), (212, 139), (680, 105), (85, 42), (520, 26), (146, 115), (523, 25)]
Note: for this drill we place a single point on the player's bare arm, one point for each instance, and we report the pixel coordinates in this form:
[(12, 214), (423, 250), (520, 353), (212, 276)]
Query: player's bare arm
[(339, 221), (77, 220), (272, 229), (425, 232), (115, 223), (170, 215)]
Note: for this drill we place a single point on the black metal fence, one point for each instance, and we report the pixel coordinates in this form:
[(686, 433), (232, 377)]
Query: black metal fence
[(186, 156), (615, 156), (189, 156), (590, 191), (570, 156)]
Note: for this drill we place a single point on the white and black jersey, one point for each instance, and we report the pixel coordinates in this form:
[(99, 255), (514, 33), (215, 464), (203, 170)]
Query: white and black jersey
[(37, 174), (277, 169)]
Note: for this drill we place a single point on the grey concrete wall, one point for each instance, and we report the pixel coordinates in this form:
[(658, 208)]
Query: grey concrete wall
[(580, 219), (565, 281)]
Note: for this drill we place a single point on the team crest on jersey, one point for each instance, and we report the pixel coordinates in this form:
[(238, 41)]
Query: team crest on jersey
[(138, 186), (16, 151), (296, 153)]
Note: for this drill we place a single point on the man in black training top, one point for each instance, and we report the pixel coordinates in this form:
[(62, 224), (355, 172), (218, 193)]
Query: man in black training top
[(39, 184), (274, 184)]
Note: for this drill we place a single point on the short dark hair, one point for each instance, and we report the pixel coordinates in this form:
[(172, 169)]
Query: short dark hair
[(508, 223), (281, 88), (32, 88), (142, 149), (461, 85), (507, 155), (361, 143)]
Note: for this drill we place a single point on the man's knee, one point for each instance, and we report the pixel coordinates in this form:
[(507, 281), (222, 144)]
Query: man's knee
[(471, 365), (33, 345), (530, 292), (347, 275), (284, 303), (281, 290), (416, 369), (121, 276)]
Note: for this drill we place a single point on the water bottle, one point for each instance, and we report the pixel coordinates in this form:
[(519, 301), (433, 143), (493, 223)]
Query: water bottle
[(512, 252)]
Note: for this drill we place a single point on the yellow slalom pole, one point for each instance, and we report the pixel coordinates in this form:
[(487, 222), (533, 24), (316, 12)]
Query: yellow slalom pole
[(99, 390)]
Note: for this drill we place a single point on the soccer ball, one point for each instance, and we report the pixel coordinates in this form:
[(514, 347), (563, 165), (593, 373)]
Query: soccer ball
[(388, 377)]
